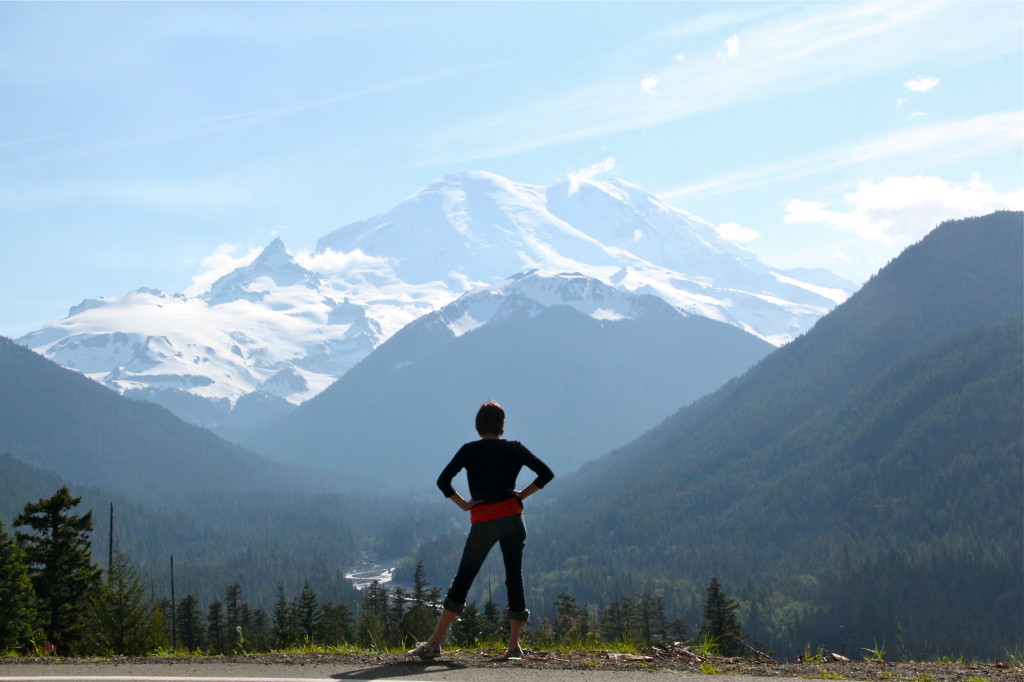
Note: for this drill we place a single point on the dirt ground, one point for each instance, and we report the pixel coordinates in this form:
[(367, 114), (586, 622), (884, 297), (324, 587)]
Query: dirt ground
[(654, 660)]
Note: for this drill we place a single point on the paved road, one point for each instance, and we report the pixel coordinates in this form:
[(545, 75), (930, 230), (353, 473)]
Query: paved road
[(329, 672)]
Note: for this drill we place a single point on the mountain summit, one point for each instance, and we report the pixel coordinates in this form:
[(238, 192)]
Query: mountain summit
[(273, 269), (473, 228), (272, 334)]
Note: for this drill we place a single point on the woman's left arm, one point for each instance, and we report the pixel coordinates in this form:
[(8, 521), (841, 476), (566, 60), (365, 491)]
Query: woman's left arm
[(527, 491)]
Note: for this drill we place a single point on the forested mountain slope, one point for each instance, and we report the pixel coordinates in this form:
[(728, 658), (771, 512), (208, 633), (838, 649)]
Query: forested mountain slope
[(575, 383), (58, 419), (856, 475)]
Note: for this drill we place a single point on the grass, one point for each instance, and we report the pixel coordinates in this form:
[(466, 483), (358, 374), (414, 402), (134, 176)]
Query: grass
[(875, 655), (816, 657)]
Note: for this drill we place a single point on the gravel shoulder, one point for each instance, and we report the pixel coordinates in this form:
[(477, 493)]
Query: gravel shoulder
[(379, 666)]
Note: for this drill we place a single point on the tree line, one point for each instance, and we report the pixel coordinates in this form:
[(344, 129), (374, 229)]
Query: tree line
[(55, 599)]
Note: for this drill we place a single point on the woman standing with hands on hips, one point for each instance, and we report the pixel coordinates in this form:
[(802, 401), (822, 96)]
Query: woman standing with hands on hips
[(492, 465)]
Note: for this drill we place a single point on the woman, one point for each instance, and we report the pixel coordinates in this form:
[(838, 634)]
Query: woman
[(492, 465)]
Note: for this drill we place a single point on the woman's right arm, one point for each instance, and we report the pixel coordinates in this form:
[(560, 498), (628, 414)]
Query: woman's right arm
[(464, 505)]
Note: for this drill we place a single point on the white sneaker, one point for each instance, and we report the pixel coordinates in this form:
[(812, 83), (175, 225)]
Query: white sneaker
[(424, 651)]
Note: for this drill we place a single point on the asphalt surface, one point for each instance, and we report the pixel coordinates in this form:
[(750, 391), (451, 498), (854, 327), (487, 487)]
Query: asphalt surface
[(277, 672)]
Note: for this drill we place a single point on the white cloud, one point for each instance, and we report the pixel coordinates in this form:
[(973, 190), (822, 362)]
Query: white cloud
[(921, 84), (649, 83), (901, 210), (732, 45), (737, 233), (900, 102), (332, 262), (680, 57), (589, 173), (219, 263), (918, 114)]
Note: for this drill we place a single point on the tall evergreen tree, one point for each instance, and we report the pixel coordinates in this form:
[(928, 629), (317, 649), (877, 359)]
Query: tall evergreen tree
[(720, 621), (191, 632), (420, 586), (571, 621), (17, 600), (617, 620), (493, 625), (373, 621), (57, 554), (469, 628), (283, 631), (216, 628), (336, 624), (124, 620), (651, 621), (307, 613), (233, 605)]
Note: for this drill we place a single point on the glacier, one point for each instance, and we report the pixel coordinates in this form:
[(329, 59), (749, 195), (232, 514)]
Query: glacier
[(286, 330)]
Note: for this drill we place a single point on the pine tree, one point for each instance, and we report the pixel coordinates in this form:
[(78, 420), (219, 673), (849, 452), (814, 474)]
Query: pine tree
[(720, 621), (233, 605), (57, 555), (283, 631), (17, 600), (420, 586), (373, 620), (493, 625), (307, 613), (215, 626), (336, 624), (571, 621), (400, 604), (123, 620), (469, 628), (651, 622), (412, 620), (617, 621), (191, 632)]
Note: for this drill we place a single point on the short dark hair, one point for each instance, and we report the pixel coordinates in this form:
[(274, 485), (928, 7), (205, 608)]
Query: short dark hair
[(490, 418)]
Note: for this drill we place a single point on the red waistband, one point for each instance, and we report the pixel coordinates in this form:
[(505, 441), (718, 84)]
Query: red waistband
[(498, 510)]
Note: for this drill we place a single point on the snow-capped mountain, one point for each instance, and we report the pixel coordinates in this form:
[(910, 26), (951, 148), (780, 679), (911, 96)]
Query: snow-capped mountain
[(468, 227), (274, 333), (581, 366)]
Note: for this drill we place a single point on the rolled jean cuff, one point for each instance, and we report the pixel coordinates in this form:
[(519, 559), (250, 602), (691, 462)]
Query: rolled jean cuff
[(523, 615), (453, 606)]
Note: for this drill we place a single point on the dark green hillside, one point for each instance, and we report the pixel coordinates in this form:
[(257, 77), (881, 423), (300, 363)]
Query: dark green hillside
[(60, 420), (256, 540), (889, 436)]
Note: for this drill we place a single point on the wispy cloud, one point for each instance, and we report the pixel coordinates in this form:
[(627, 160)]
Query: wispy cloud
[(30, 140), (947, 141), (589, 173), (788, 53), (258, 116)]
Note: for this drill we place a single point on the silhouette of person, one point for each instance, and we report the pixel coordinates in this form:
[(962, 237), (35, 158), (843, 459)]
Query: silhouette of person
[(492, 466)]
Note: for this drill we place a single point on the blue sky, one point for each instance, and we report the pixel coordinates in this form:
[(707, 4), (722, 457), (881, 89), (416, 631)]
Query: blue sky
[(155, 144)]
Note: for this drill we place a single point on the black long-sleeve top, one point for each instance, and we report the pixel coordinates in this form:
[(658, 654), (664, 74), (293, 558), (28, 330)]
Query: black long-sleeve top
[(492, 466)]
